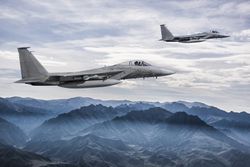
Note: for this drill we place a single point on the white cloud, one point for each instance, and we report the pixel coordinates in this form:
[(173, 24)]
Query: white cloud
[(78, 35)]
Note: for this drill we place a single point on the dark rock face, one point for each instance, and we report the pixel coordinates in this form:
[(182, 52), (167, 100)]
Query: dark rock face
[(181, 118), (10, 156), (13, 157)]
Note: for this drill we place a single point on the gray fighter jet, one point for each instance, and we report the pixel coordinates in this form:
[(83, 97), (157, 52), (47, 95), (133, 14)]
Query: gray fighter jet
[(34, 73), (167, 36)]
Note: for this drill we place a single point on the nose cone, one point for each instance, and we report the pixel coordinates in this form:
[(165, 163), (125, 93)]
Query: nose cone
[(164, 72), (224, 36)]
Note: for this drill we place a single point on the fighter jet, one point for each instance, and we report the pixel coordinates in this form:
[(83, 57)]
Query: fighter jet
[(167, 36), (35, 74)]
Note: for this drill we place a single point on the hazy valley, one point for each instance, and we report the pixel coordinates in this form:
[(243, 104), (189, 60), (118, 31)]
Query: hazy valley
[(89, 132)]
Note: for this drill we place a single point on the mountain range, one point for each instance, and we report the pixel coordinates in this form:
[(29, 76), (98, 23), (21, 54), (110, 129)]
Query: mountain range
[(67, 124), (26, 117), (153, 137), (88, 132)]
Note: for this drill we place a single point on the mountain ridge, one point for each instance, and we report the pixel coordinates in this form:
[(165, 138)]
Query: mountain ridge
[(138, 133), (10, 134)]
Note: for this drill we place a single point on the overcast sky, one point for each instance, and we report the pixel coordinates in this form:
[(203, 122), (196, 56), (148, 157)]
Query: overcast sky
[(78, 35)]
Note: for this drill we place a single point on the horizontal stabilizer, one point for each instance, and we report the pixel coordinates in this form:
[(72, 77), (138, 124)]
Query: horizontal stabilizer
[(31, 80)]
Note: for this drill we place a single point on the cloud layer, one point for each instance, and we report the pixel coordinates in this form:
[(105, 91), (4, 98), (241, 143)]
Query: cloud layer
[(78, 35)]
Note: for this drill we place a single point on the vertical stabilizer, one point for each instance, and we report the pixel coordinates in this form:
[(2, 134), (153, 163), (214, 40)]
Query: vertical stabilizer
[(165, 33), (30, 66)]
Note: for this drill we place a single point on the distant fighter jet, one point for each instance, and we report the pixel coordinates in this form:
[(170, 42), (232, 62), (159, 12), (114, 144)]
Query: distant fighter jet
[(34, 73), (167, 36)]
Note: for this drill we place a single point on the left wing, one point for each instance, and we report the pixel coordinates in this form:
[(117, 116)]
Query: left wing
[(84, 75)]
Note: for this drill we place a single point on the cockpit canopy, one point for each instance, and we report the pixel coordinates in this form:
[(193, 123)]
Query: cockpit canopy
[(139, 63), (136, 63), (213, 31)]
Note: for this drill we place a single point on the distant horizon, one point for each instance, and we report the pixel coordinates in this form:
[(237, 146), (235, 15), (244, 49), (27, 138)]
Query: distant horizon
[(136, 101)]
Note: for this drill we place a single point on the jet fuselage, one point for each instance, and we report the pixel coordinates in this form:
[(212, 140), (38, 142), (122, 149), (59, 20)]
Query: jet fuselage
[(34, 73), (167, 36)]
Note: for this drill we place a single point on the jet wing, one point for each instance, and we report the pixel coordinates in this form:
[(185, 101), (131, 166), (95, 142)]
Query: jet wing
[(86, 75), (192, 37)]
